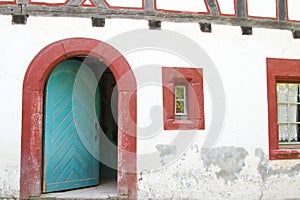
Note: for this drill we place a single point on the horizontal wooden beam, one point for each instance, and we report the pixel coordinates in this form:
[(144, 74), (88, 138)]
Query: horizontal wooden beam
[(150, 14)]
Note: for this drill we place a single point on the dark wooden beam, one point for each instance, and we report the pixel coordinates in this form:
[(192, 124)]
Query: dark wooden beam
[(241, 8), (98, 22), (296, 34), (246, 30), (149, 6), (154, 25), (205, 27), (282, 14), (19, 19), (212, 4), (101, 11)]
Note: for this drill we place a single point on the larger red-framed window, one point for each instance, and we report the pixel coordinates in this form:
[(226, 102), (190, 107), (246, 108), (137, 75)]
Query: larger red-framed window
[(191, 117), (282, 76)]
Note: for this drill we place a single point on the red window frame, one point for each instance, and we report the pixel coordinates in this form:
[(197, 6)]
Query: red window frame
[(193, 78), (279, 70)]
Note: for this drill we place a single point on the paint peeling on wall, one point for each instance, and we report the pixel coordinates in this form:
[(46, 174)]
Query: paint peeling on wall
[(165, 150), (230, 160), (222, 173), (284, 176), (266, 170)]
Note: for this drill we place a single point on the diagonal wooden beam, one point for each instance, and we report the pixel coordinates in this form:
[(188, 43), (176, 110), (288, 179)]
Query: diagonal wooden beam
[(213, 7), (100, 4)]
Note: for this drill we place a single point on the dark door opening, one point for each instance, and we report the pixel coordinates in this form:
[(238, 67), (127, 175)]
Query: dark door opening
[(108, 121)]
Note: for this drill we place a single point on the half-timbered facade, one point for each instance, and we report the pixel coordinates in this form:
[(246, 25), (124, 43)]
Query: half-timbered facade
[(169, 99)]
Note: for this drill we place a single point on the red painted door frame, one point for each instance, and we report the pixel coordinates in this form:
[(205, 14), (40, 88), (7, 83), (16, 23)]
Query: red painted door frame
[(32, 111)]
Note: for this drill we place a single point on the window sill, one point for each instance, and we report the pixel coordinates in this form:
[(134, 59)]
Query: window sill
[(279, 154), (184, 124)]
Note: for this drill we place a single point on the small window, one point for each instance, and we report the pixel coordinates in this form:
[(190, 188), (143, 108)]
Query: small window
[(180, 100), (288, 107), (183, 98)]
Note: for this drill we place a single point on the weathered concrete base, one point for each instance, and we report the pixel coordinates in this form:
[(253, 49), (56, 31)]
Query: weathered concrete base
[(85, 198), (106, 190)]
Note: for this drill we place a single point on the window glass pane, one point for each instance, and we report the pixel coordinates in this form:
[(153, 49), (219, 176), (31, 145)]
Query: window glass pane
[(293, 113), (179, 91), (180, 107), (283, 133), (180, 100), (282, 110), (293, 133), (288, 111), (282, 92), (292, 93)]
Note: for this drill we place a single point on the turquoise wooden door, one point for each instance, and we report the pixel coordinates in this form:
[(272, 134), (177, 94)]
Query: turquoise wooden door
[(71, 128)]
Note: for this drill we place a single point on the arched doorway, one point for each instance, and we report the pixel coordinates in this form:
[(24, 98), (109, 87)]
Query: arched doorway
[(33, 113)]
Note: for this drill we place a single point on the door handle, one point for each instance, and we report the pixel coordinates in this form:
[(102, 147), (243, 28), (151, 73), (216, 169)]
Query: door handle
[(96, 126)]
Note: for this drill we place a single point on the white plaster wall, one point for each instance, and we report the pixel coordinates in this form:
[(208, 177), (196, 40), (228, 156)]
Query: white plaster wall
[(124, 3), (241, 62), (293, 10), (181, 173), (226, 6), (181, 5), (266, 8)]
